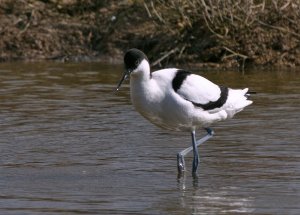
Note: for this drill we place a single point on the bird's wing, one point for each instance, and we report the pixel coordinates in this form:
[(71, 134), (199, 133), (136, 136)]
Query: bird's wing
[(200, 91)]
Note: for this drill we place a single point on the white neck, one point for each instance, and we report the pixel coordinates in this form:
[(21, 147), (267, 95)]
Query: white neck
[(142, 71)]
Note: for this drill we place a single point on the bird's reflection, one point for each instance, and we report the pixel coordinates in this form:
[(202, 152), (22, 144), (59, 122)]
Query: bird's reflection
[(200, 196)]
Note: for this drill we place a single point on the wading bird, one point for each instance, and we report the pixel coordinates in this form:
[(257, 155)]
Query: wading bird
[(178, 100)]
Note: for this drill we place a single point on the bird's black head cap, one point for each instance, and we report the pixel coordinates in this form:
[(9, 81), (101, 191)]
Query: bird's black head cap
[(133, 58)]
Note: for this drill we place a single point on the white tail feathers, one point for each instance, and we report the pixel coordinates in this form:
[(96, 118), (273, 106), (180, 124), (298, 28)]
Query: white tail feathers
[(236, 101)]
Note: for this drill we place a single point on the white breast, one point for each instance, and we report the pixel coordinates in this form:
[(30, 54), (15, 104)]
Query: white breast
[(156, 100)]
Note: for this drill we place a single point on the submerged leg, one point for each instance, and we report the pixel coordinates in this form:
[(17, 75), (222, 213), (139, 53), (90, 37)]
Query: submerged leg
[(180, 155)]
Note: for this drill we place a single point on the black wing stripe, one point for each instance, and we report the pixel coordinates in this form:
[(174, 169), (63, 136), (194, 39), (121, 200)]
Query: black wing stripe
[(180, 76), (216, 104)]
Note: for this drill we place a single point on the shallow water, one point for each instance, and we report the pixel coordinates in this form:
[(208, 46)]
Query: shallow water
[(71, 145)]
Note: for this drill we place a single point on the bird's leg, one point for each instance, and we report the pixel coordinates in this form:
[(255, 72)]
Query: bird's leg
[(180, 164), (196, 154), (180, 155)]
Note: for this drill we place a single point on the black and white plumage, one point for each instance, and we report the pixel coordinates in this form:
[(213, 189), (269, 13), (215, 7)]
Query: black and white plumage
[(178, 100)]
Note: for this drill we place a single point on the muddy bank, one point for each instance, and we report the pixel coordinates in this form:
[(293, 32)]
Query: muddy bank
[(213, 33)]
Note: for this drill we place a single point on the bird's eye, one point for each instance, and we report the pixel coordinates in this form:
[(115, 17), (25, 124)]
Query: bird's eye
[(137, 62)]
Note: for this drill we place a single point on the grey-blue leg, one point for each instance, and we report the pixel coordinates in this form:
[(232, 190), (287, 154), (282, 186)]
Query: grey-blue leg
[(180, 155), (196, 154)]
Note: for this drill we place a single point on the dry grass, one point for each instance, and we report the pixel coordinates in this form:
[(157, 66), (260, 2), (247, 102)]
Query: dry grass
[(227, 33), (232, 31)]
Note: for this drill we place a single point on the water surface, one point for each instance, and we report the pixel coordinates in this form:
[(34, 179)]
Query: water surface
[(71, 145)]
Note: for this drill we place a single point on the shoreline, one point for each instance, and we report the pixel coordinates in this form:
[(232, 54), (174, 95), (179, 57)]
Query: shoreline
[(68, 30)]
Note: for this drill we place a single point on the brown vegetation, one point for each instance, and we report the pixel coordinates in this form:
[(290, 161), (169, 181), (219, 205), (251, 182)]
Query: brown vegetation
[(230, 33)]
